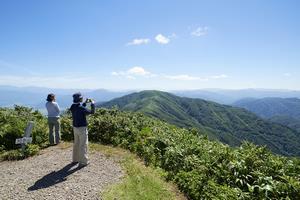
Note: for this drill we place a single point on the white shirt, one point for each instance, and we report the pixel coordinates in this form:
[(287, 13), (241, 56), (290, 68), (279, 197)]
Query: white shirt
[(53, 109)]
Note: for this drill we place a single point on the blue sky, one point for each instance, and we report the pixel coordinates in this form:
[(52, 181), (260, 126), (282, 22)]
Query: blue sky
[(153, 44)]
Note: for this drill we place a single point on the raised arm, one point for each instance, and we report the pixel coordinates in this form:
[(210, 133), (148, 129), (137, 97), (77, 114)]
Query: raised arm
[(92, 111)]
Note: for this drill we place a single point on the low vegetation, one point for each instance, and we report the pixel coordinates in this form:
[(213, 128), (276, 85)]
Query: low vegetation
[(227, 124), (201, 168), (140, 182), (13, 122)]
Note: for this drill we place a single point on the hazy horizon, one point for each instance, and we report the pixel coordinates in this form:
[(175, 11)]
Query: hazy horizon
[(139, 89)]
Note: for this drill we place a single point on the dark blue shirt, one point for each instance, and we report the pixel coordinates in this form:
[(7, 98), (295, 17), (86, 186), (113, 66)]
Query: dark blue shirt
[(79, 113)]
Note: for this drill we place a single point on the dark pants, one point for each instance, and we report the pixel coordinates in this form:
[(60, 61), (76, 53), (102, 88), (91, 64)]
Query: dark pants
[(53, 123)]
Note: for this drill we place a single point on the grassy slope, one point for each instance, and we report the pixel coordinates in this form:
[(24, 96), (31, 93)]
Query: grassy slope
[(140, 182), (228, 124)]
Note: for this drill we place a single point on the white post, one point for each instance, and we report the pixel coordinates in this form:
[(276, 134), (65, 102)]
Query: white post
[(26, 138)]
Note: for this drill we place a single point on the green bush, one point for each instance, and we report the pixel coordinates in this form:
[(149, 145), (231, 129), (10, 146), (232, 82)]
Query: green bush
[(203, 169), (13, 122), (18, 154), (31, 149), (15, 154), (66, 129)]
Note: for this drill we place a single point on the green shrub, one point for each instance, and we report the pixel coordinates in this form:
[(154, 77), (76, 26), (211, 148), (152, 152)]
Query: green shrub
[(201, 168), (15, 154), (66, 129), (31, 149), (13, 122), (18, 154)]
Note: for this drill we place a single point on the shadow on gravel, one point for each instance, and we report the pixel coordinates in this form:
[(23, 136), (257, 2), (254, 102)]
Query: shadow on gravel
[(54, 177)]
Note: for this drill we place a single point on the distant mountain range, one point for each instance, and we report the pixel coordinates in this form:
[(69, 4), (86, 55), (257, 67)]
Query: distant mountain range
[(285, 111), (228, 124), (35, 96), (224, 96)]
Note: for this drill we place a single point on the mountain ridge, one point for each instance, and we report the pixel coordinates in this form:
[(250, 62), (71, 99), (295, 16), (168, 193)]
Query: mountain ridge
[(228, 124), (35, 96), (285, 111)]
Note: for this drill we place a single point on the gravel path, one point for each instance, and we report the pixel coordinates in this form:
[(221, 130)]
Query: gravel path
[(52, 176)]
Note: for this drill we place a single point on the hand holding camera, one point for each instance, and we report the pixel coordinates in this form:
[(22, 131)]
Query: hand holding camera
[(89, 101)]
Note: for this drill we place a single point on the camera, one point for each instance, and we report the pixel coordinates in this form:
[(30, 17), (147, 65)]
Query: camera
[(88, 100)]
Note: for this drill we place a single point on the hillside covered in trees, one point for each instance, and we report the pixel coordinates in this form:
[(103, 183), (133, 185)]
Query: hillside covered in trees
[(285, 111), (227, 124)]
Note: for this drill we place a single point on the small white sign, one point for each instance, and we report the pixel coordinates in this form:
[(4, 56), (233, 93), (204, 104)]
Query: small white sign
[(24, 140)]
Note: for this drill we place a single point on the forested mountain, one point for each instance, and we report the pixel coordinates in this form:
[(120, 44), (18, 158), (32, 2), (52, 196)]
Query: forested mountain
[(34, 96), (228, 124), (285, 111), (289, 121), (228, 97), (270, 107)]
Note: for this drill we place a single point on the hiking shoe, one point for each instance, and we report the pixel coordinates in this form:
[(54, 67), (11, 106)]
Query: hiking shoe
[(81, 165)]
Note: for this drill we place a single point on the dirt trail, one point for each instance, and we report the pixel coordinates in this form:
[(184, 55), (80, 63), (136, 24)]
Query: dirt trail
[(51, 175)]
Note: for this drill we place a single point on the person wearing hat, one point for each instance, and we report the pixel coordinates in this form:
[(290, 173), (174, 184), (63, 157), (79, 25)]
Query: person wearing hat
[(53, 119), (79, 113)]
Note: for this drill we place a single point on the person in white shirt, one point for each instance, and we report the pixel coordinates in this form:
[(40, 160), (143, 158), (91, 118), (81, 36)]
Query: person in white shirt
[(53, 119)]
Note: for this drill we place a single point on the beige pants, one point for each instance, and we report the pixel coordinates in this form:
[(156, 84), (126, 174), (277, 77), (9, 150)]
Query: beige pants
[(80, 147)]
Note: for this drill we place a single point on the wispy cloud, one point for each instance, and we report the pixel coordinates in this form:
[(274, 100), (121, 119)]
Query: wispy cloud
[(134, 72), (184, 77), (219, 76), (173, 36), (139, 41), (161, 39), (287, 74), (200, 31), (138, 71)]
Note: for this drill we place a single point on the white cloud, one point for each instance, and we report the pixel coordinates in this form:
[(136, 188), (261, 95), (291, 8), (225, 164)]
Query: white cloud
[(139, 71), (162, 39), (200, 31), (287, 74), (134, 72), (139, 41), (115, 73), (184, 77), (219, 76)]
